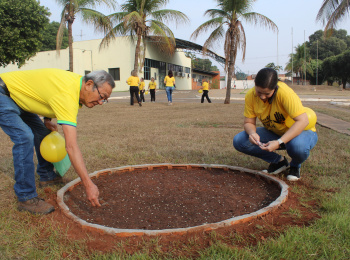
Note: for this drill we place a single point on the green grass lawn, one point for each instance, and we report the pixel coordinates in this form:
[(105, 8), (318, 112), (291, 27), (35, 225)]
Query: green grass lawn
[(117, 134)]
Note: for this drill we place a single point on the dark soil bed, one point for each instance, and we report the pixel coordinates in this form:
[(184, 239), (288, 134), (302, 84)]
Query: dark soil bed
[(172, 198)]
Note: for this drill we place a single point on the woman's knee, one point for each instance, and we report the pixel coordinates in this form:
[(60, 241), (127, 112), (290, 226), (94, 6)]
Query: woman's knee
[(240, 140)]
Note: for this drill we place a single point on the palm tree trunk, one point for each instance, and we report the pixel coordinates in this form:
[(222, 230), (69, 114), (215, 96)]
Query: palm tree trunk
[(70, 44), (137, 53), (230, 72)]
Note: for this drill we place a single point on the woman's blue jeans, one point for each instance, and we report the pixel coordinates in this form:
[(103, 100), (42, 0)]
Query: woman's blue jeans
[(169, 91), (26, 131), (298, 148)]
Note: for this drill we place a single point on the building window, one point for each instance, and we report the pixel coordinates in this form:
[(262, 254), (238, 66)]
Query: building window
[(147, 73), (187, 70), (115, 72)]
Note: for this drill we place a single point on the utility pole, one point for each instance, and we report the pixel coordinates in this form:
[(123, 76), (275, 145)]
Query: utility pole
[(292, 57), (305, 58)]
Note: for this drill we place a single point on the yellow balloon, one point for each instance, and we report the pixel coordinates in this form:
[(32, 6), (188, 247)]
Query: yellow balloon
[(146, 92), (310, 114), (53, 147), (200, 91)]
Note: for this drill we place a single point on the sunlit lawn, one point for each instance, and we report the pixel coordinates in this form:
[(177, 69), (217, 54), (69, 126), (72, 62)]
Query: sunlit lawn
[(117, 134)]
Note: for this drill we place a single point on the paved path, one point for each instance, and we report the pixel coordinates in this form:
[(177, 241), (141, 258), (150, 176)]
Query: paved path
[(217, 96), (333, 123)]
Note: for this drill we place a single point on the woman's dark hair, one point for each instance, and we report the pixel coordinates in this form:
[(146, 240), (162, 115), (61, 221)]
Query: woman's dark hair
[(170, 74), (266, 78)]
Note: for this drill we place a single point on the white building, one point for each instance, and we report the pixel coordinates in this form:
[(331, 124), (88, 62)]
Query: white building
[(117, 59)]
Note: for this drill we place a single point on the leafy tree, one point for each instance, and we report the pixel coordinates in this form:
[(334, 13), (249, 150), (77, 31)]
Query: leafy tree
[(141, 18), (49, 37), (338, 67), (203, 64), (322, 47), (241, 75), (226, 21), (21, 24), (299, 62), (332, 12), (273, 66), (73, 7)]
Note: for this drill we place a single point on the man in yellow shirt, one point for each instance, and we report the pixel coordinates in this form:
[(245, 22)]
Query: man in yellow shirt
[(134, 81), (272, 101), (52, 93), (205, 87)]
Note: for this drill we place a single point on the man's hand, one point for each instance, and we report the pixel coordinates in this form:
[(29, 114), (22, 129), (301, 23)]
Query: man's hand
[(50, 125), (92, 194), (254, 139)]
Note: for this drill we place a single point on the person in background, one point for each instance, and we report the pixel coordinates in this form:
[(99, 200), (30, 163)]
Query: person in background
[(169, 82), (152, 89), (272, 101), (205, 87), (133, 81), (142, 90), (52, 93)]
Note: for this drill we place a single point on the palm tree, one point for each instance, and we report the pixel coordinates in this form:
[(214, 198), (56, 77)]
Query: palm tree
[(70, 9), (141, 18), (300, 62), (230, 14), (332, 11)]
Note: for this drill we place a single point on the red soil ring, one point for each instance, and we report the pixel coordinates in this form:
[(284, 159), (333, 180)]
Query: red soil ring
[(64, 194)]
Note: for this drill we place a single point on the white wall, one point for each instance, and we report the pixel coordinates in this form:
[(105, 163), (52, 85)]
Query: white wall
[(120, 53), (240, 84)]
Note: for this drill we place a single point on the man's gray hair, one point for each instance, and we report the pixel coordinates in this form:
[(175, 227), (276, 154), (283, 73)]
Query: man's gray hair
[(99, 77)]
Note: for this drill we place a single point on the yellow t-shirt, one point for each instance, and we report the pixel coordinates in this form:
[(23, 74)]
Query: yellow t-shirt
[(51, 93), (152, 85), (133, 81), (205, 86), (142, 85), (285, 102), (169, 82)]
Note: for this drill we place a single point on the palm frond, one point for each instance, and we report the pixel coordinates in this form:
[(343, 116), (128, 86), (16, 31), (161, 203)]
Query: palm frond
[(259, 19), (204, 27)]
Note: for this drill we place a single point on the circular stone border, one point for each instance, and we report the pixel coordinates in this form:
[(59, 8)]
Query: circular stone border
[(205, 227)]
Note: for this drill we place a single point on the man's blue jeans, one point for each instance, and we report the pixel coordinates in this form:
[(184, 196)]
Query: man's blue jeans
[(169, 91), (298, 148), (26, 131)]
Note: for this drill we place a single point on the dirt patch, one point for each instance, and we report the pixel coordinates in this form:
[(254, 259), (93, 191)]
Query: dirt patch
[(296, 211), (172, 198)]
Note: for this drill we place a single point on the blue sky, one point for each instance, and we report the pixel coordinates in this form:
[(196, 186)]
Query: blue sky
[(261, 43)]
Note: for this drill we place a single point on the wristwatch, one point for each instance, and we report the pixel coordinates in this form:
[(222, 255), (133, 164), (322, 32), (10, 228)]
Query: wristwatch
[(280, 141)]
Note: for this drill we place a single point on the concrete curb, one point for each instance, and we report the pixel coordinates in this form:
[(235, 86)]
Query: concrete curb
[(205, 227)]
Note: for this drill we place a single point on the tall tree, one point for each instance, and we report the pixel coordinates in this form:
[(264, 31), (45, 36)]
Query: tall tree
[(49, 37), (21, 24), (141, 18), (230, 14), (322, 47), (85, 8), (332, 12), (300, 63)]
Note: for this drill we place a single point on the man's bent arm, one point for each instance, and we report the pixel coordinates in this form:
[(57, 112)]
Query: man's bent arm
[(76, 158)]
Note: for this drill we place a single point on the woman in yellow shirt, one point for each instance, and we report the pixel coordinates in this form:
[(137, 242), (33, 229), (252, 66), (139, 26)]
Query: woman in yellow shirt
[(205, 87), (152, 89), (142, 90), (133, 81), (272, 102), (169, 82)]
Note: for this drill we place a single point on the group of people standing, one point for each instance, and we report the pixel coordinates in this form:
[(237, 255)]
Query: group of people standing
[(137, 88)]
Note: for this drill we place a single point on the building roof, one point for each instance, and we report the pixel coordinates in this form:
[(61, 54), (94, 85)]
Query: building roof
[(213, 73), (182, 44)]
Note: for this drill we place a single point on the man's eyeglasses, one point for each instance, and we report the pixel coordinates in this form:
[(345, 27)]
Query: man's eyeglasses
[(104, 100)]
